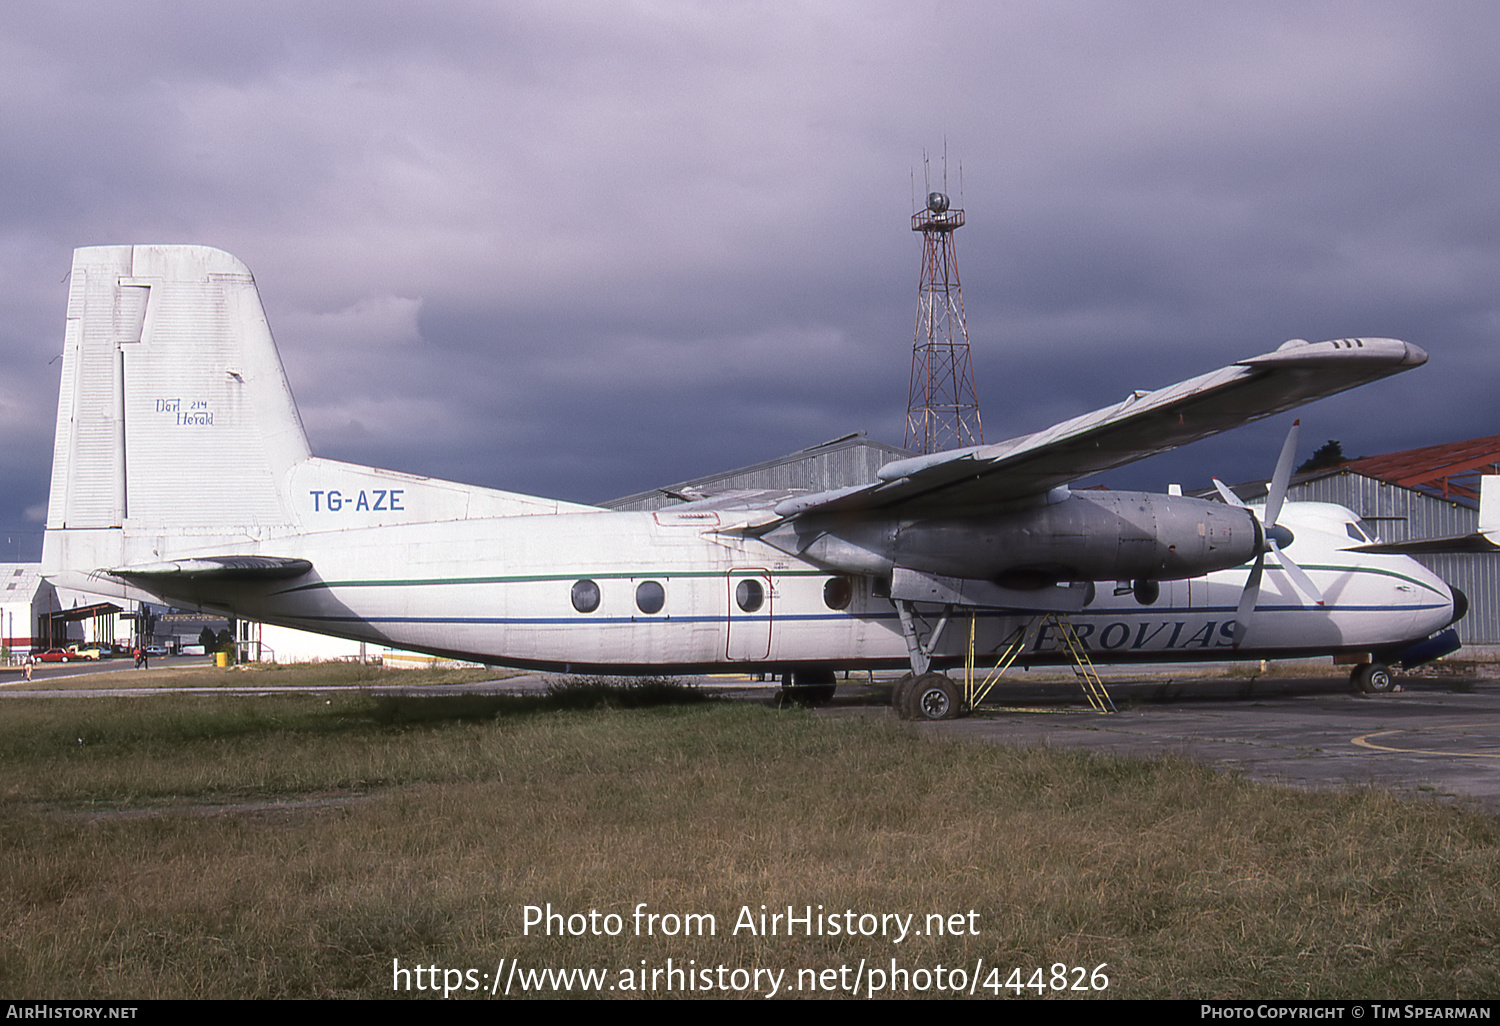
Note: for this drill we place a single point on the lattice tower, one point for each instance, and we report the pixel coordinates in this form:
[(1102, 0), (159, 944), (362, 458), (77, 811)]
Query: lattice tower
[(942, 408)]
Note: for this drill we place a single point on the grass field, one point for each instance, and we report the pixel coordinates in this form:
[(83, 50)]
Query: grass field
[(300, 846)]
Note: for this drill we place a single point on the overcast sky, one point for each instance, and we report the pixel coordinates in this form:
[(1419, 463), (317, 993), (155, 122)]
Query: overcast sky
[(584, 249)]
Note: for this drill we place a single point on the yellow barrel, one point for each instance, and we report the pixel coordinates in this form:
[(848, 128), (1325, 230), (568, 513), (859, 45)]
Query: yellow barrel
[(221, 659)]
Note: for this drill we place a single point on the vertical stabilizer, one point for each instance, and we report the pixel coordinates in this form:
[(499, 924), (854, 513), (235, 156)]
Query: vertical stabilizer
[(174, 415), (1489, 507)]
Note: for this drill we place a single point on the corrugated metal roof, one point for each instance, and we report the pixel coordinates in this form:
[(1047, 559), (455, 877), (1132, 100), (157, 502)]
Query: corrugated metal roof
[(1450, 471), (19, 581), (850, 459)]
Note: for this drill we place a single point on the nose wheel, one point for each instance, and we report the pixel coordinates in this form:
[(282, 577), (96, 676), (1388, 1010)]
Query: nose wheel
[(1373, 679)]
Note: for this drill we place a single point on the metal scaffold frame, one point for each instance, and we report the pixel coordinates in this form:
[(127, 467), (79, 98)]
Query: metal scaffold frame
[(1083, 667)]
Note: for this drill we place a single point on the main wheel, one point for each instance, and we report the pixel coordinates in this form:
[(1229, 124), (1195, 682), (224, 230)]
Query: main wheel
[(1373, 679), (900, 692), (933, 696), (810, 688)]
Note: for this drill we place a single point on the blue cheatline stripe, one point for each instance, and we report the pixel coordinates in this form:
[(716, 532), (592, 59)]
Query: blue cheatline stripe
[(434, 582)]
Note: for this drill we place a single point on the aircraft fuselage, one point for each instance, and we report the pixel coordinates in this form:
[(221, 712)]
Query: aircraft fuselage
[(666, 592)]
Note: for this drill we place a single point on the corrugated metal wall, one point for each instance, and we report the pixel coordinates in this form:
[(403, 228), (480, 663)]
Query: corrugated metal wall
[(1397, 514)]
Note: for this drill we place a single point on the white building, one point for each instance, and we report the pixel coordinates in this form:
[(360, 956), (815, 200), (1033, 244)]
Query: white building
[(25, 601)]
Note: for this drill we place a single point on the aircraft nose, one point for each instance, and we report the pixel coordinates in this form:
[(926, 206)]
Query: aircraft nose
[(1460, 605)]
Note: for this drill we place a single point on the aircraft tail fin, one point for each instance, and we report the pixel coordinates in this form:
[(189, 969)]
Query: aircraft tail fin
[(171, 384), (1489, 506), (177, 435)]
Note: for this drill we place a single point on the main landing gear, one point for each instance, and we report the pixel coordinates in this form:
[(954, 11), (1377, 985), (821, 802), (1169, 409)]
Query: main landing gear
[(809, 688), (928, 696), (925, 694)]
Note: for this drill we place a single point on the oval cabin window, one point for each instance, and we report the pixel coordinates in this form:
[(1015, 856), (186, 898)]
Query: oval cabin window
[(838, 593), (750, 595), (650, 596), (585, 596)]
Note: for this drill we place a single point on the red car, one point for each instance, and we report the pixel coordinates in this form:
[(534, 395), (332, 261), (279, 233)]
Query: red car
[(54, 655)]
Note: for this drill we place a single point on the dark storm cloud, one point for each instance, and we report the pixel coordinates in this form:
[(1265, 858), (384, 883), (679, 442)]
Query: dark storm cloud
[(582, 249)]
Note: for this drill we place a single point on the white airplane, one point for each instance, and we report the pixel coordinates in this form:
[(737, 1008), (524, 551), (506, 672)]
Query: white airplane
[(182, 475)]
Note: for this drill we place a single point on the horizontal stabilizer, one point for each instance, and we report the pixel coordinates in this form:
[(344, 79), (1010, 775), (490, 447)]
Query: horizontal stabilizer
[(1482, 540), (222, 568), (1432, 546)]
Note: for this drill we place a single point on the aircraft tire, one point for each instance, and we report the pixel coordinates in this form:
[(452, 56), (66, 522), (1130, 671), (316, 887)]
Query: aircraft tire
[(809, 689), (933, 696), (900, 692), (1373, 679)]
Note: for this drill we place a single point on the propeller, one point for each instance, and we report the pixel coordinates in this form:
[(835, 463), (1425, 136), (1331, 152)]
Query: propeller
[(1273, 537)]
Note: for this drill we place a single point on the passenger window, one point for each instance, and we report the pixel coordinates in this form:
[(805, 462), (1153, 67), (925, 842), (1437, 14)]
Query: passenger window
[(650, 596), (838, 593), (749, 595), (585, 596)]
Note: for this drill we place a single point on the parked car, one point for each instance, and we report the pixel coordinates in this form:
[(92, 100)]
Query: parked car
[(54, 655), (84, 652)]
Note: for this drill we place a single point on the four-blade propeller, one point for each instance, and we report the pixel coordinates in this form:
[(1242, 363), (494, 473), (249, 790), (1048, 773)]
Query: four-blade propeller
[(1273, 538)]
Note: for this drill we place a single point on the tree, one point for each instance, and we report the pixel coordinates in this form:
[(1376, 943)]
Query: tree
[(1329, 454)]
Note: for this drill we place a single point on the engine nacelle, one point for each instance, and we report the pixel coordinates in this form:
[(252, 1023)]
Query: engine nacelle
[(1084, 536)]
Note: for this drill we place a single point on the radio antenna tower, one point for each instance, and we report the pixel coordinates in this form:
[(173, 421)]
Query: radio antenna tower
[(942, 408)]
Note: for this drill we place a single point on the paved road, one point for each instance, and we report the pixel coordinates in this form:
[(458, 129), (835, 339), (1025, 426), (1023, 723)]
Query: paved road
[(1436, 737)]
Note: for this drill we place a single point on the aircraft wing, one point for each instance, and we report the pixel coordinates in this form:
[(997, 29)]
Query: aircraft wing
[(1145, 424)]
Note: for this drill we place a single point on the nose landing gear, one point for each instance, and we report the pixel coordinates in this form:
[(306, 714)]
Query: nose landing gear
[(1373, 679)]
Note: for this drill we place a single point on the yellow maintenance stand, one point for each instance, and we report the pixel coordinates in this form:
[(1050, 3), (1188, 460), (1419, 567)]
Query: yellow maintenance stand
[(975, 692)]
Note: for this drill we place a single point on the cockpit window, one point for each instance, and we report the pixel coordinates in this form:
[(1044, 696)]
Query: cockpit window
[(1357, 532)]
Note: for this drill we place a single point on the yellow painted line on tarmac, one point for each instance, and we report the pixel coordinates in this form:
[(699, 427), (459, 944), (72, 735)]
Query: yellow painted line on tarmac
[(1365, 741)]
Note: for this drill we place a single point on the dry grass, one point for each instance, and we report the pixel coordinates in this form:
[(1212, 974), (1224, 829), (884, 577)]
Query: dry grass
[(204, 674), (423, 843)]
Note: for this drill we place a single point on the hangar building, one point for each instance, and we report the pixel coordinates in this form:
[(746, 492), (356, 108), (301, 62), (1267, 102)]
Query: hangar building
[(847, 460)]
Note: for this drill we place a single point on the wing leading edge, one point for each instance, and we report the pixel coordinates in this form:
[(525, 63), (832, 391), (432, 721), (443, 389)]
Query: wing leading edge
[(1143, 425), (218, 568)]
